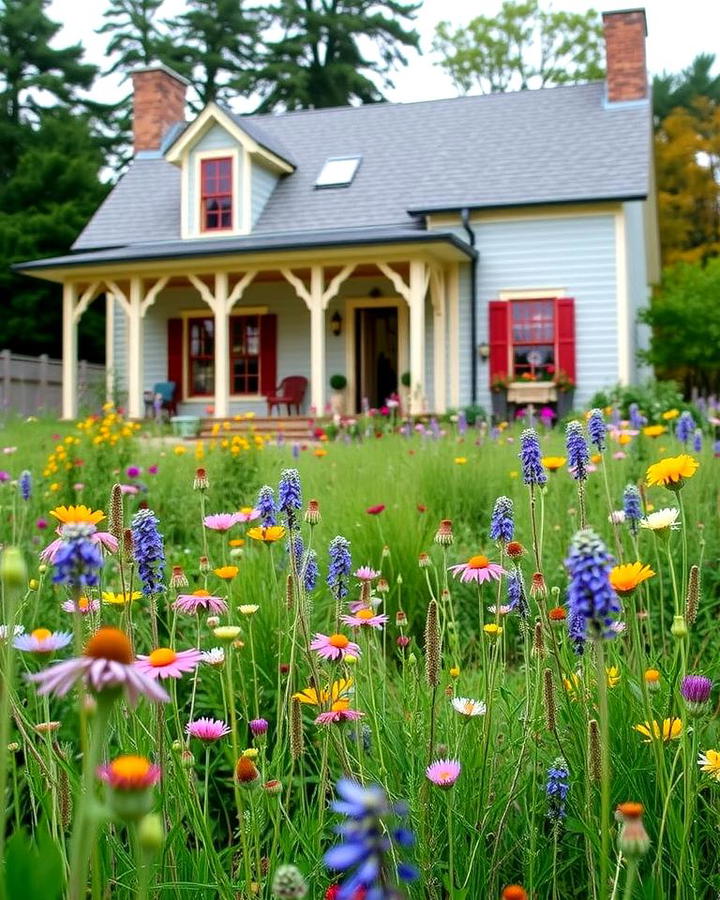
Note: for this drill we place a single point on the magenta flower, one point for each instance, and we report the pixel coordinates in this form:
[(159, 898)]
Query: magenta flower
[(41, 524), (444, 772), (167, 663), (207, 729), (334, 716), (106, 663), (258, 726), (479, 569), (221, 521), (129, 773), (334, 646), (152, 470), (366, 573), (84, 606), (42, 641), (133, 471), (365, 617), (200, 600)]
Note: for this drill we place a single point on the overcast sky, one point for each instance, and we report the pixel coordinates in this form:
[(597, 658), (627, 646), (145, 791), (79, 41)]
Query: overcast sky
[(677, 32)]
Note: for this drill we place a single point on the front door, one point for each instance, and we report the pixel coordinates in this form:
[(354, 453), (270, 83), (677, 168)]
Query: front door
[(376, 354)]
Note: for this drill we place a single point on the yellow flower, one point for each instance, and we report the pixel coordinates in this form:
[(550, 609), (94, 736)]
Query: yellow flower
[(553, 463), (492, 630), (82, 514), (709, 762), (671, 414), (624, 579), (236, 542), (572, 683), (120, 599), (179, 450), (226, 632), (460, 460), (248, 609), (672, 472), (455, 672), (513, 474), (671, 730), (336, 693), (652, 677), (250, 753), (623, 439), (653, 431), (54, 487), (613, 676), (267, 535), (596, 459), (227, 573), (319, 452)]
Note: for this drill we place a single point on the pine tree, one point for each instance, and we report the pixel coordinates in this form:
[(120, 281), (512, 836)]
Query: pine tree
[(318, 61), (135, 33)]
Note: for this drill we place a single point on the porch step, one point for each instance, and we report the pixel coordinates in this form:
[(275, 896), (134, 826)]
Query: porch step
[(291, 428)]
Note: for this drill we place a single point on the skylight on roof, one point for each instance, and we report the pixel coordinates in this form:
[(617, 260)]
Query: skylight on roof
[(338, 171)]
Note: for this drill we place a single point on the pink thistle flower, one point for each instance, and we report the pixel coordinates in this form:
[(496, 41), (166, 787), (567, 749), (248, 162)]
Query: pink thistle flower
[(106, 663), (258, 726), (129, 773), (152, 470), (247, 514), (334, 716), (478, 568), (334, 646), (42, 641), (167, 663), (365, 617), (444, 772), (200, 600), (221, 521), (133, 471), (83, 606), (207, 729), (366, 573)]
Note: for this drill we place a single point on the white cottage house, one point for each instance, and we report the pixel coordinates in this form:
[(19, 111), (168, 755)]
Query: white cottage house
[(502, 237)]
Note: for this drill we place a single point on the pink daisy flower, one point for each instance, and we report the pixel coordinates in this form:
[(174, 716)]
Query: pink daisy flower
[(42, 640), (247, 514), (334, 646), (366, 573), (129, 773), (334, 716), (167, 663), (478, 568), (200, 600), (356, 605), (131, 489), (106, 663), (221, 521), (84, 606), (365, 617), (444, 772), (207, 729)]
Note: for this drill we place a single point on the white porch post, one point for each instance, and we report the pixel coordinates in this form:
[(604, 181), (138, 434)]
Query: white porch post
[(222, 347), (135, 351), (439, 295), (418, 286), (453, 299), (109, 347), (69, 361), (317, 341)]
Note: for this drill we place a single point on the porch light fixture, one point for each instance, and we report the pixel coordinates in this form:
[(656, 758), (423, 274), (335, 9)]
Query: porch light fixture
[(336, 324), (484, 351)]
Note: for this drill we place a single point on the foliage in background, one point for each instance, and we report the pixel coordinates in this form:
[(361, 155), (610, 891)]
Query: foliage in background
[(652, 397)]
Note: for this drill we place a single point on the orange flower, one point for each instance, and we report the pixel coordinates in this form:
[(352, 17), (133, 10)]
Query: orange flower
[(673, 471), (553, 463), (624, 579), (227, 573), (267, 535), (66, 514)]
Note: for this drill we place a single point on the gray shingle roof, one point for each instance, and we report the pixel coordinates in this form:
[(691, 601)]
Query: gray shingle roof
[(554, 145)]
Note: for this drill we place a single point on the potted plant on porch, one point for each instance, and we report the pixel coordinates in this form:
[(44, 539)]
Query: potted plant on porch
[(405, 393), (498, 395), (338, 383), (565, 387)]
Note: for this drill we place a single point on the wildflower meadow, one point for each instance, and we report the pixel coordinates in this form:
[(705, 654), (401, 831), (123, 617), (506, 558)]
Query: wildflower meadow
[(399, 660)]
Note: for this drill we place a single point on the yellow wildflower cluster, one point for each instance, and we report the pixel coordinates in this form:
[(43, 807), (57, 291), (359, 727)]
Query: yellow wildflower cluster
[(234, 444), (108, 430)]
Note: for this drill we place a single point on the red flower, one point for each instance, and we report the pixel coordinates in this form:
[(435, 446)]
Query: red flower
[(332, 892), (421, 508), (375, 510)]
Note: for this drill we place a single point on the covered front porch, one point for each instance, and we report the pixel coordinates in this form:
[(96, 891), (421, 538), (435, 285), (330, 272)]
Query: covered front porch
[(226, 329)]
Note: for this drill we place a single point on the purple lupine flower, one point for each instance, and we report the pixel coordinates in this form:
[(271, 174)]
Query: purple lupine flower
[(716, 448), (632, 507), (684, 427), (597, 430), (615, 416), (592, 603), (531, 458), (578, 456), (78, 559), (340, 566), (289, 494), (25, 485), (696, 690), (366, 852), (148, 551), (502, 526), (295, 450), (697, 441), (516, 596), (556, 789), (266, 506), (311, 570), (462, 422), (637, 419)]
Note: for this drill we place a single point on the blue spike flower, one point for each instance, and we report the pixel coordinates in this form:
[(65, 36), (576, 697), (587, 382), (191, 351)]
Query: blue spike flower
[(597, 430), (685, 427), (632, 507), (78, 559), (531, 458), (340, 566), (592, 603), (516, 596), (502, 526), (148, 551), (25, 485), (265, 505), (311, 571), (289, 495), (637, 419), (556, 789), (697, 441), (577, 451)]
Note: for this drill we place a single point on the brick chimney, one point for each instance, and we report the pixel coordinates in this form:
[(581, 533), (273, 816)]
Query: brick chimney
[(625, 33), (158, 104)]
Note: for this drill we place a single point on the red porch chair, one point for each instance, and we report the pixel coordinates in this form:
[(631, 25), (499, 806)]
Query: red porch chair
[(290, 392)]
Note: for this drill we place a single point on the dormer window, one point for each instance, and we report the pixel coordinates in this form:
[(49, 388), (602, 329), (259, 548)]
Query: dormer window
[(338, 171), (216, 202)]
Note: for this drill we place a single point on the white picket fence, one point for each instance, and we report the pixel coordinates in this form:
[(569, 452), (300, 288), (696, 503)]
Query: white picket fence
[(31, 385)]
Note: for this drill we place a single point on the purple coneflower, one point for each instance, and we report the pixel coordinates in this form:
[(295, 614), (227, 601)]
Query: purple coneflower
[(444, 772), (366, 573), (206, 729), (221, 521), (168, 663), (334, 646), (695, 690), (531, 458), (107, 663), (148, 551), (42, 640), (365, 618), (502, 526), (478, 568), (336, 716), (592, 603), (577, 451), (200, 600)]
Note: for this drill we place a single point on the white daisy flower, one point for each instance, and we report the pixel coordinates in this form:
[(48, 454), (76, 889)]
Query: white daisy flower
[(467, 707)]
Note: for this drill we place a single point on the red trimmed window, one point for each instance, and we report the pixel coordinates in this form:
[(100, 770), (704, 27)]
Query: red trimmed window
[(216, 204), (532, 336), (244, 355)]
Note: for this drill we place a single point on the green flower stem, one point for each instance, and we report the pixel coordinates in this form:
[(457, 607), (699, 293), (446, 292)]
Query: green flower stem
[(604, 768), (451, 839), (10, 599), (632, 865)]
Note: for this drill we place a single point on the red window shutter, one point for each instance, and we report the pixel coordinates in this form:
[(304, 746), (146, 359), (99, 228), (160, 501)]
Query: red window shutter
[(499, 333), (565, 331), (268, 354), (175, 355)]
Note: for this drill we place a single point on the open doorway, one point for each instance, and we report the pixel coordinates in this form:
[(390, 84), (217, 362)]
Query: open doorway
[(376, 354)]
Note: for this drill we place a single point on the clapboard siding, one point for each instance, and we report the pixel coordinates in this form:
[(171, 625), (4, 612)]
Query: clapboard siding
[(263, 183)]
